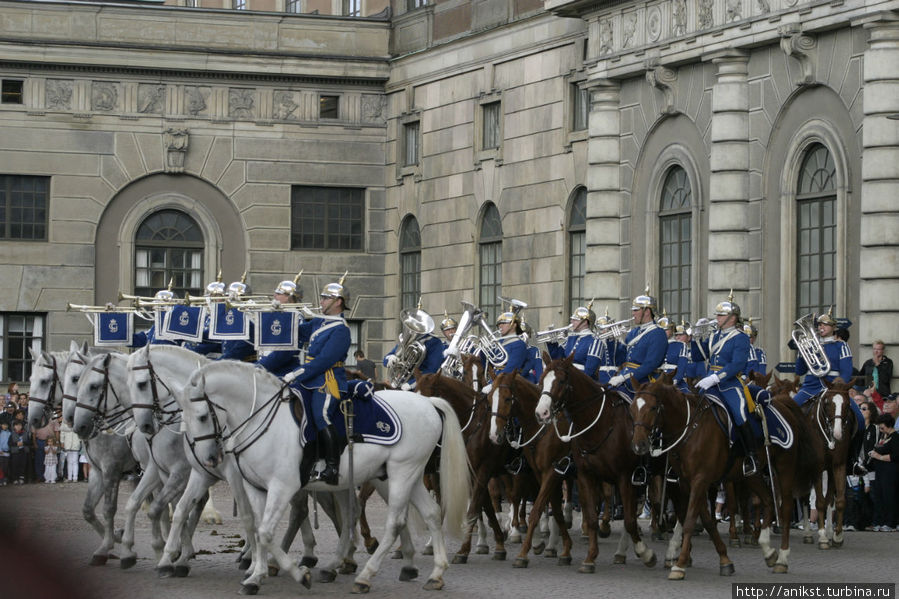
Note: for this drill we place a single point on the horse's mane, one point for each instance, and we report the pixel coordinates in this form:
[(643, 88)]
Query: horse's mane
[(248, 368), (437, 380)]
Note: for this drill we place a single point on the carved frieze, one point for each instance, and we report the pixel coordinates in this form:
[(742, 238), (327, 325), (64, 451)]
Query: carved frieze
[(764, 7), (706, 14), (104, 96), (653, 23), (628, 29), (606, 40), (58, 94), (678, 17), (374, 108), (241, 103), (195, 99), (175, 143), (284, 105), (733, 10), (151, 98)]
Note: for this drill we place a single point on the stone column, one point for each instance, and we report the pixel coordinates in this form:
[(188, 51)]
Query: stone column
[(604, 226), (729, 242), (879, 285)]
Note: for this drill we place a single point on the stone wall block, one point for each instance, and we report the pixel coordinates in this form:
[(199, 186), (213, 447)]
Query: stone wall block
[(603, 150), (150, 147), (730, 97), (722, 274), (111, 170), (882, 97), (880, 262), (729, 246), (729, 216), (879, 295), (129, 156), (603, 177), (880, 163), (880, 229), (220, 156), (729, 185), (879, 196), (729, 156), (728, 126)]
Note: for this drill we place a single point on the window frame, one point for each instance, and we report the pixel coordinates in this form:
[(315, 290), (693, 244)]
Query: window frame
[(26, 360), (8, 190), (5, 93), (409, 253), (490, 242), (324, 96), (680, 215), (482, 152), (169, 247), (577, 231), (817, 200), (327, 233)]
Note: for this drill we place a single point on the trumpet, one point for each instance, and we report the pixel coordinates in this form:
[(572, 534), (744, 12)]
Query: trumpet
[(614, 329), (98, 309), (703, 328), (553, 335), (307, 310), (809, 346)]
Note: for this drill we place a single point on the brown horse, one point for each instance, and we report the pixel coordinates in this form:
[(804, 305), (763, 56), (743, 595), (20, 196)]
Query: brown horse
[(600, 436), (693, 429), (513, 396), (833, 424)]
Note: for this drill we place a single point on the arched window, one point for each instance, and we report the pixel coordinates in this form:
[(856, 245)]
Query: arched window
[(816, 228), (577, 249), (675, 246), (168, 245), (490, 254), (410, 263)]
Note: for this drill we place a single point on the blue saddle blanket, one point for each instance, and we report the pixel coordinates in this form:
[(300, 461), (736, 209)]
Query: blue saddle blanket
[(779, 430), (374, 421)]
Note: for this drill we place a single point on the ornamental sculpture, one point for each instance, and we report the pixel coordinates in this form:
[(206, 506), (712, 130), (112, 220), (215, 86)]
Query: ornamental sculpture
[(175, 143), (58, 94)]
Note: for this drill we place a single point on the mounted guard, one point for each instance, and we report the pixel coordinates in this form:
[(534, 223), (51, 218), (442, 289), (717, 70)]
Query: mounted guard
[(417, 348), (646, 346), (579, 341)]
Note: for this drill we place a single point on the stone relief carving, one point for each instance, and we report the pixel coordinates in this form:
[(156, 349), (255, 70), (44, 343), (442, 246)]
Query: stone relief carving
[(150, 98), (58, 93), (628, 29), (605, 37), (764, 7), (734, 10), (679, 17), (374, 108), (706, 14), (663, 79), (801, 47), (104, 96), (196, 99), (241, 103), (284, 107), (175, 142)]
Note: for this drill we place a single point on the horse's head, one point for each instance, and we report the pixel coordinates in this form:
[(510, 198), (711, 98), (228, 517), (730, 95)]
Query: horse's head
[(473, 373), (202, 421), (555, 387), (74, 366), (501, 400), (834, 408), (646, 411), (45, 387), (144, 388), (93, 386), (762, 380)]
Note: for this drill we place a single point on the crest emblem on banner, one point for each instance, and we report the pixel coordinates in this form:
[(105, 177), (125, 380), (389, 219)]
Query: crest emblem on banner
[(276, 327), (113, 328)]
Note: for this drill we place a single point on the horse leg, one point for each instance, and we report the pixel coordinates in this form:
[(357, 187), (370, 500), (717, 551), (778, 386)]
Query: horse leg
[(431, 513), (298, 520), (561, 523), (397, 510), (478, 497), (630, 522), (276, 501), (732, 502), (534, 519), (608, 495), (370, 542), (110, 504), (588, 511), (767, 508), (148, 483), (674, 544), (159, 508), (209, 514), (182, 568), (197, 486), (94, 494), (786, 513), (687, 526), (725, 565), (839, 493), (821, 504), (499, 535)]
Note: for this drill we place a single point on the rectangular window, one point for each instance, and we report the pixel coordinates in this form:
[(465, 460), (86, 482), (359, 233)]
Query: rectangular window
[(410, 143), (293, 6), (410, 269), (578, 268), (12, 91), (190, 3), (329, 107), (491, 255), (155, 266), (580, 107), (413, 4), (240, 4), (327, 218), (20, 331), (675, 265), (492, 132), (24, 205), (816, 259), (352, 8)]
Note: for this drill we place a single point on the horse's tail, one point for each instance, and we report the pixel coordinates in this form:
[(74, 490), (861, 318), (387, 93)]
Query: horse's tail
[(809, 458), (454, 470)]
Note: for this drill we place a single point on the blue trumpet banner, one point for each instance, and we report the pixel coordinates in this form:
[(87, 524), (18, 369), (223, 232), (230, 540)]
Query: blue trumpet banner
[(228, 325), (276, 330), (185, 322), (113, 328)]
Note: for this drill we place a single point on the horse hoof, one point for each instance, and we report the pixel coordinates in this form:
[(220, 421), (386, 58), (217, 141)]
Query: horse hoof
[(587, 568), (396, 554), (408, 573), (551, 553), (836, 544), (460, 558), (565, 560), (327, 576), (780, 568), (306, 579), (514, 537), (244, 564), (165, 571), (360, 588), (736, 543), (604, 530), (433, 585), (428, 550), (771, 560), (824, 545), (182, 571), (249, 589), (99, 560), (347, 568), (499, 556), (128, 562), (372, 546), (520, 563), (538, 549), (808, 540), (619, 559), (652, 561), (726, 570), (669, 563), (482, 550), (117, 535), (676, 575)]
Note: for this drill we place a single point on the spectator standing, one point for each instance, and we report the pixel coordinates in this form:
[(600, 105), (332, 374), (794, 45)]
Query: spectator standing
[(878, 370), (51, 459), (368, 368), (85, 463), (40, 442), (12, 392), (860, 507), (19, 448), (70, 445), (5, 434), (885, 459), (8, 414)]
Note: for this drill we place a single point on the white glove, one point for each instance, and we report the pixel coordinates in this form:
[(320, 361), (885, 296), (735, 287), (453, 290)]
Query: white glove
[(293, 374), (709, 381), (391, 359), (276, 304), (449, 352), (616, 380)]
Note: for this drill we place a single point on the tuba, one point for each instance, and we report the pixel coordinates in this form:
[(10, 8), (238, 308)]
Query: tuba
[(809, 346), (411, 352), (487, 342)]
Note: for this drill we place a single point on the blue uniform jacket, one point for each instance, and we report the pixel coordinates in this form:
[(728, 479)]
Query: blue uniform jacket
[(586, 351), (434, 347), (647, 345), (329, 343), (758, 361), (728, 353), (840, 357), (519, 357), (534, 365), (206, 345), (149, 337), (239, 349), (279, 362)]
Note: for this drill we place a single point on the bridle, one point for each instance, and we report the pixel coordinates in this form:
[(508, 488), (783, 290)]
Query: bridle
[(103, 418), (51, 393), (654, 428), (557, 406), (163, 415), (509, 429)]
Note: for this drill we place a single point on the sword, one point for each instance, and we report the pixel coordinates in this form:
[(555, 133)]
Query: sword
[(346, 406), (760, 411)]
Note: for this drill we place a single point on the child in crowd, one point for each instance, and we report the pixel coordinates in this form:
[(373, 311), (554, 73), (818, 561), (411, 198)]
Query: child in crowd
[(70, 444), (5, 434), (19, 446), (50, 460)]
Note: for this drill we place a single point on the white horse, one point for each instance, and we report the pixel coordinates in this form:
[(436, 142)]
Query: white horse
[(102, 418), (226, 417), (155, 385)]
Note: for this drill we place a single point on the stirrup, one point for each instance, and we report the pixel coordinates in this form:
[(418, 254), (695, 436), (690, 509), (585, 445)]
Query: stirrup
[(329, 476), (749, 465), (670, 476), (639, 477)]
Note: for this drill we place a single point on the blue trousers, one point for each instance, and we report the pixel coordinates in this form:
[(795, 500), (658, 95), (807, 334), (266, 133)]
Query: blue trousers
[(734, 400), (321, 407)]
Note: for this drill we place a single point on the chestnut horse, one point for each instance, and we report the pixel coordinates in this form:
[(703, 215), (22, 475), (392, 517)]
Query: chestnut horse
[(600, 433), (694, 430)]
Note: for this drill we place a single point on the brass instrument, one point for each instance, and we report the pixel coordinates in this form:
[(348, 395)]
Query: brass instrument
[(553, 335), (809, 346), (703, 328), (307, 310), (614, 329), (487, 342), (98, 309), (411, 351)]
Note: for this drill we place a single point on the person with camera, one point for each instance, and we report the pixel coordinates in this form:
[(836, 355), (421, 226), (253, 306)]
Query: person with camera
[(885, 462)]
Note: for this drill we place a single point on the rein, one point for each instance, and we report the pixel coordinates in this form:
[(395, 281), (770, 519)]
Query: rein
[(104, 419), (654, 429), (568, 437), (517, 444), (45, 401), (164, 416)]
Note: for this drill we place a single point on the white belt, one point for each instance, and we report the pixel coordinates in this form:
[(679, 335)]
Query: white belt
[(667, 367), (608, 368), (833, 373)]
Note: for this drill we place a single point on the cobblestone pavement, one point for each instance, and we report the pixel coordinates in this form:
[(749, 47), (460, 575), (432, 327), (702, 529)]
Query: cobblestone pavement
[(46, 545)]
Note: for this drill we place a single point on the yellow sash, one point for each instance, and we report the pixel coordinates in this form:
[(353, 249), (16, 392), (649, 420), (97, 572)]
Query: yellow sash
[(750, 403), (330, 385)]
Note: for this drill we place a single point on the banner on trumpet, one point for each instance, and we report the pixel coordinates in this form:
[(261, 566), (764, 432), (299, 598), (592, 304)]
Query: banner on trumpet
[(184, 323), (276, 330), (228, 324), (113, 328)]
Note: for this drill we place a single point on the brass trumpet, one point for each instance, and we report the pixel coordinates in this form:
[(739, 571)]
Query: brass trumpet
[(98, 309), (553, 335), (615, 329)]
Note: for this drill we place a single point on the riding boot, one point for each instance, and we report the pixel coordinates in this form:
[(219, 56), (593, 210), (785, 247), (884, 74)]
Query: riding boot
[(750, 462), (328, 439)]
